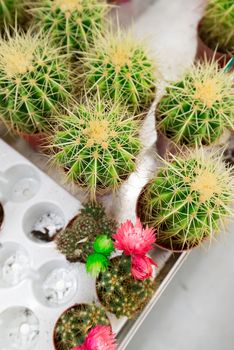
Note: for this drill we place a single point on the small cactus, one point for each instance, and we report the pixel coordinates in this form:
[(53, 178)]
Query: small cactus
[(119, 292), (71, 23), (75, 323), (119, 67), (77, 240), (97, 146), (198, 109), (34, 81), (12, 11), (217, 26), (189, 200)]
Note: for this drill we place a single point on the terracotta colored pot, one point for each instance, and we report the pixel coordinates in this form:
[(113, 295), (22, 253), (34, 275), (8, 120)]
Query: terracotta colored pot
[(34, 140), (206, 53)]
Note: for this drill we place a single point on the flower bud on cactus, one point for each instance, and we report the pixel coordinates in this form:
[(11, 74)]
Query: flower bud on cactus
[(198, 109), (72, 23), (97, 146), (120, 68), (34, 81), (119, 292), (11, 11), (75, 323), (76, 241), (189, 200), (217, 25)]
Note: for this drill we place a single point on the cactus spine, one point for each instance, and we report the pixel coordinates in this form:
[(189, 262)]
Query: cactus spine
[(11, 11), (76, 241), (74, 325), (217, 26), (198, 109), (119, 292), (120, 68), (34, 81), (97, 145), (189, 200)]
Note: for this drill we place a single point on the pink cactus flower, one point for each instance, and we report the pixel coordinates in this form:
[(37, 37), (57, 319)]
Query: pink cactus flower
[(141, 268), (134, 240), (99, 338)]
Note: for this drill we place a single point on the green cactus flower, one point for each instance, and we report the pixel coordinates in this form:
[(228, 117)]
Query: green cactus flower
[(96, 263), (103, 245)]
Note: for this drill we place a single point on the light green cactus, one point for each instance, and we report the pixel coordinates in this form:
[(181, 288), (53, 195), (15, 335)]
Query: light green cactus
[(34, 81), (120, 67), (71, 23), (198, 109), (217, 26), (97, 145), (190, 199)]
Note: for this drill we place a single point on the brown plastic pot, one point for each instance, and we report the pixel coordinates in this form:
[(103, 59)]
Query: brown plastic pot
[(56, 347), (36, 141), (205, 53)]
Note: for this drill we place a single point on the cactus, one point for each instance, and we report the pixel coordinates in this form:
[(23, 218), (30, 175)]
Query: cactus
[(97, 146), (190, 199), (119, 67), (77, 240), (217, 26), (71, 23), (75, 323), (34, 81), (12, 11), (198, 109), (119, 292)]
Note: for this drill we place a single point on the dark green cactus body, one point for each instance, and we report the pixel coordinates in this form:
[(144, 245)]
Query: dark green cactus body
[(217, 25), (97, 146), (119, 292), (188, 201), (121, 70), (34, 82), (74, 325), (72, 23), (76, 241), (198, 109)]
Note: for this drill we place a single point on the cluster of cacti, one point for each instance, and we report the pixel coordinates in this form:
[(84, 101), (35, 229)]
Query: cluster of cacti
[(217, 26), (97, 145), (76, 241), (73, 24), (74, 325), (198, 109), (119, 67), (34, 81), (189, 200), (12, 12), (119, 292)]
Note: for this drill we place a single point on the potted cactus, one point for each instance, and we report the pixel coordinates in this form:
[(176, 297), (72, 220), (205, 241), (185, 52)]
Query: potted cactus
[(75, 323), (127, 284), (215, 31), (76, 241), (197, 110), (189, 201), (96, 145), (34, 81), (12, 11), (73, 24), (120, 67)]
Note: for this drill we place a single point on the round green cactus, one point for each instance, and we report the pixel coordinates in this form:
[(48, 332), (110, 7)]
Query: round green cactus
[(121, 69), (198, 109), (217, 26), (72, 23), (189, 200), (12, 11), (97, 145), (119, 292), (77, 240), (75, 323), (34, 81)]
